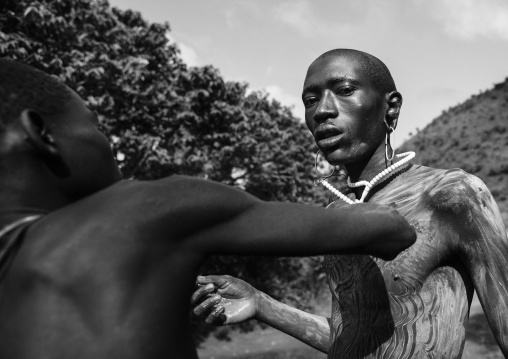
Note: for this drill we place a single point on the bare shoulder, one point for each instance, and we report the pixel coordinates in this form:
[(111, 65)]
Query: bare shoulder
[(168, 208), (128, 218), (456, 190), (464, 201), (169, 196)]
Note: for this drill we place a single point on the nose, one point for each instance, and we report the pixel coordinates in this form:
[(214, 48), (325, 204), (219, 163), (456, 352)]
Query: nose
[(327, 107)]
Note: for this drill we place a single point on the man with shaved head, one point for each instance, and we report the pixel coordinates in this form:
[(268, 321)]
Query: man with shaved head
[(417, 305), (89, 263)]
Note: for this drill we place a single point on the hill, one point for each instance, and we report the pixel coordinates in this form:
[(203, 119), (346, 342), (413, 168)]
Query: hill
[(473, 136)]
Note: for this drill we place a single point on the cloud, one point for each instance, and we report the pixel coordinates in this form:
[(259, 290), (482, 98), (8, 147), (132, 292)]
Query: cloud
[(438, 92), (234, 12), (278, 93), (300, 16), (231, 19), (470, 19), (187, 53)]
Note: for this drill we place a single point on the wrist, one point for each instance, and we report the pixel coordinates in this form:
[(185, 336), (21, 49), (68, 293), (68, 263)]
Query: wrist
[(260, 300)]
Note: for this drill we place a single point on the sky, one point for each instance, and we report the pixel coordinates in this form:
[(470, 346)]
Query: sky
[(440, 52)]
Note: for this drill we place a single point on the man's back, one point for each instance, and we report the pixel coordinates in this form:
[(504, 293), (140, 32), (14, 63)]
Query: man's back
[(417, 305), (90, 284)]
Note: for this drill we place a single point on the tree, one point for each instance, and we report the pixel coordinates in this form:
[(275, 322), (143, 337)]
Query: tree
[(164, 118)]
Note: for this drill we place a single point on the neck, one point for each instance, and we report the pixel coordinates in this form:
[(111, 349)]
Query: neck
[(18, 206), (368, 169), (27, 195)]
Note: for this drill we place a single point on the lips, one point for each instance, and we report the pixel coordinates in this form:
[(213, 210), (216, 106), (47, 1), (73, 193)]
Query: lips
[(327, 137)]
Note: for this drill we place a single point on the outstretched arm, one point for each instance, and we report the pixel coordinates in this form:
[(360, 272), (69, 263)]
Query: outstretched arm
[(223, 300), (482, 246), (205, 217), (215, 218)]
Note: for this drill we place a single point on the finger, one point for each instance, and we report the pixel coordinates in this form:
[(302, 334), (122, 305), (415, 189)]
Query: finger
[(201, 279), (217, 280), (202, 292), (216, 317), (207, 305)]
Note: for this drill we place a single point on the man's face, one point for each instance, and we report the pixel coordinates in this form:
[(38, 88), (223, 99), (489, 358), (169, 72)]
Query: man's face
[(85, 150), (343, 110)]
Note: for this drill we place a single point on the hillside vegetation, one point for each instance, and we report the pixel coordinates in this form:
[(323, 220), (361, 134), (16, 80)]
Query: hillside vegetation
[(473, 136)]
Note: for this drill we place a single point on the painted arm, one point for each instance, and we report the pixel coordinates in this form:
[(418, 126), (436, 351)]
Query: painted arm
[(223, 300), (482, 246)]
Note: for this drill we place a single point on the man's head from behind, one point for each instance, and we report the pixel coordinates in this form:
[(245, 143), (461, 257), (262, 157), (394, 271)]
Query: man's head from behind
[(47, 130), (351, 102)]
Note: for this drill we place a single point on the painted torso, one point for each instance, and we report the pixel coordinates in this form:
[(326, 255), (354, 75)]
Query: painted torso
[(415, 306)]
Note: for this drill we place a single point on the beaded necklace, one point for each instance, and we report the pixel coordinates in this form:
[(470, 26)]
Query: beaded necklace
[(406, 157)]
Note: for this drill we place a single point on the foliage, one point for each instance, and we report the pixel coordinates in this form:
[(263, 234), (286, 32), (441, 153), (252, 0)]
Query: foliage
[(473, 136), (164, 118)]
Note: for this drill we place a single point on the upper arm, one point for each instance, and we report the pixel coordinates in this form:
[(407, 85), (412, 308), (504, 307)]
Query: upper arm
[(170, 209), (207, 217), (480, 240)]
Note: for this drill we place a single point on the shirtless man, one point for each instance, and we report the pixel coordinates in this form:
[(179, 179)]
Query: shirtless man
[(417, 305), (89, 264)]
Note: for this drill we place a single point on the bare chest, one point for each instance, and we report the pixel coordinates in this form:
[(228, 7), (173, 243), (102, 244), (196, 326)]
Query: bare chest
[(403, 276), (407, 308)]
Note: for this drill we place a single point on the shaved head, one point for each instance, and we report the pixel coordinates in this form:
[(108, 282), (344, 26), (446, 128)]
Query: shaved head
[(23, 87), (371, 65)]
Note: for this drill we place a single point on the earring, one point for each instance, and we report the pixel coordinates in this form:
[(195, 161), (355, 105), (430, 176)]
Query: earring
[(388, 144), (319, 180)]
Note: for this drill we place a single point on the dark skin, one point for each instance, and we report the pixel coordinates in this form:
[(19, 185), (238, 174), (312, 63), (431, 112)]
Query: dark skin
[(417, 305), (96, 276)]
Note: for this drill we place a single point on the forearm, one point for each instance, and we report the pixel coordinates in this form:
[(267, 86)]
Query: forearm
[(311, 329), (493, 294)]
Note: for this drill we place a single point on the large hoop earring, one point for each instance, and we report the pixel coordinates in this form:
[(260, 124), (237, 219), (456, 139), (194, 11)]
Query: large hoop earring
[(319, 180), (388, 144)]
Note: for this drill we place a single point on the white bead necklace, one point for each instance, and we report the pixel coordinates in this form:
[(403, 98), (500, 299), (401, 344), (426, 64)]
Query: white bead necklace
[(407, 156)]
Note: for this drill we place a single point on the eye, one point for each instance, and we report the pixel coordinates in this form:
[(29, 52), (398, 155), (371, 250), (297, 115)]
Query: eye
[(309, 101), (346, 90)]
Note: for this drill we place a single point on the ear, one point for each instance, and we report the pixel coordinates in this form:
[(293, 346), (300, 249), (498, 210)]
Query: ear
[(39, 135), (394, 100)]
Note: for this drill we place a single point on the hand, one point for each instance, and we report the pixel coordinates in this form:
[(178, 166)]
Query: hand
[(223, 300)]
